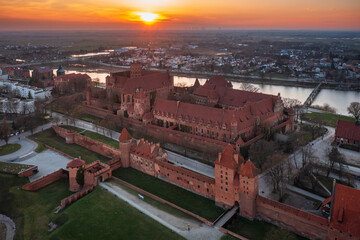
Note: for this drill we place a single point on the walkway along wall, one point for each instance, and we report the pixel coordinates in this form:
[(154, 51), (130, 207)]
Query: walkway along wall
[(303, 223), (46, 180)]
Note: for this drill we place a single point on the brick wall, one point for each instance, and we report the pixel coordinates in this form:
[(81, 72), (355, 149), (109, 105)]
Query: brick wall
[(28, 172), (46, 180), (72, 198), (304, 223), (88, 143)]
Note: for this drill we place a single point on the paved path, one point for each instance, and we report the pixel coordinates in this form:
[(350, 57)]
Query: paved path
[(10, 226), (198, 230), (305, 193), (27, 147), (47, 161)]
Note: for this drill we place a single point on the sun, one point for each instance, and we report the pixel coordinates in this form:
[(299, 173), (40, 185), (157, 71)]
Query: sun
[(148, 17)]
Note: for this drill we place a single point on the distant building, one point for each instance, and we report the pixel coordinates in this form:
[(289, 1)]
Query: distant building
[(43, 77), (3, 74), (347, 133), (60, 71), (25, 91), (16, 106)]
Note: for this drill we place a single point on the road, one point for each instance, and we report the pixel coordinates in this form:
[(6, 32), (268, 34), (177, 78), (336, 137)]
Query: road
[(10, 226)]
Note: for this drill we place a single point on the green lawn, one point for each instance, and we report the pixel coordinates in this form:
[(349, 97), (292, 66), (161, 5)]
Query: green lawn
[(9, 148), (154, 203), (258, 230), (89, 117), (199, 205), (13, 168), (101, 215), (50, 138), (94, 135), (31, 211), (329, 119)]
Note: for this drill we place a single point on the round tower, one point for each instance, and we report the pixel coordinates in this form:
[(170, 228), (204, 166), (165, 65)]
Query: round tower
[(73, 167), (124, 145)]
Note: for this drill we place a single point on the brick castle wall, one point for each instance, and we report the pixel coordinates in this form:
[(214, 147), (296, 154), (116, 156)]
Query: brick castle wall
[(46, 180), (304, 223), (74, 197)]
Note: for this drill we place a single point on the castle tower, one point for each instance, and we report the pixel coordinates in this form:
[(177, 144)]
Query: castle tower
[(141, 104), (88, 96), (225, 176), (279, 106), (73, 167), (248, 189), (135, 70), (124, 145)]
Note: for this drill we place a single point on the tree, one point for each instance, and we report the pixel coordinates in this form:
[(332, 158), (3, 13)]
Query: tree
[(80, 176), (354, 109), (333, 157), (260, 151), (277, 170), (249, 87), (5, 131)]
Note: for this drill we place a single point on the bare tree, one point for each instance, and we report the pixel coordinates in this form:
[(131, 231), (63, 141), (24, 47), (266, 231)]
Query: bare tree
[(249, 87), (277, 170), (260, 151), (354, 109), (333, 157)]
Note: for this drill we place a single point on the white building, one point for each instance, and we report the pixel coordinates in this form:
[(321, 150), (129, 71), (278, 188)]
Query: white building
[(25, 91), (3, 76), (16, 106)]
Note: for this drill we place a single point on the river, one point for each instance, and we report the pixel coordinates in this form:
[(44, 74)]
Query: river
[(337, 99)]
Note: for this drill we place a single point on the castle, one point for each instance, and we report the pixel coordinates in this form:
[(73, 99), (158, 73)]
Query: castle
[(221, 113), (236, 183)]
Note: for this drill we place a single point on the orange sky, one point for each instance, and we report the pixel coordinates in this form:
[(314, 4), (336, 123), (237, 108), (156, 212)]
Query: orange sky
[(180, 14)]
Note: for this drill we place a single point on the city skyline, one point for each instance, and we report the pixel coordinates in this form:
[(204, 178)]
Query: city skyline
[(187, 15)]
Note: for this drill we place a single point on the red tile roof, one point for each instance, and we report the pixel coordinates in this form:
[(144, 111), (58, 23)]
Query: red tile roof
[(76, 163), (227, 158), (345, 215), (124, 136), (248, 170), (348, 130), (148, 82), (145, 149)]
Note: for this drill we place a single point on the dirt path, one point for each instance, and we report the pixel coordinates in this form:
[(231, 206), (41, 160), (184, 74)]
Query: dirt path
[(198, 230), (10, 227)]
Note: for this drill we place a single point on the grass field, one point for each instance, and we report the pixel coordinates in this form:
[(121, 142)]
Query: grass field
[(258, 230), (9, 148), (89, 117), (31, 211), (50, 138), (95, 136), (329, 119), (101, 215), (13, 168), (199, 205)]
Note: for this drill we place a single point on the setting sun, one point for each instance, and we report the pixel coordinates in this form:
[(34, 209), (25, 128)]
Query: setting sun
[(148, 18)]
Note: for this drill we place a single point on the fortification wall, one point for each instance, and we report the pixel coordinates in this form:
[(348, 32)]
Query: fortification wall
[(88, 143), (28, 172), (304, 223), (164, 134), (192, 181), (74, 197), (46, 180)]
